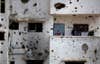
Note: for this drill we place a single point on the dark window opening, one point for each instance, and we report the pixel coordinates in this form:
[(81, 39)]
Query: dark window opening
[(2, 6), (80, 29), (24, 1), (12, 62), (2, 35), (13, 25), (35, 27), (75, 62), (34, 62), (59, 29)]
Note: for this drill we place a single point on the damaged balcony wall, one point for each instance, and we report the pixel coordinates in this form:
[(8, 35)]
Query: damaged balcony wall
[(74, 7), (93, 22), (29, 10), (74, 49), (29, 45)]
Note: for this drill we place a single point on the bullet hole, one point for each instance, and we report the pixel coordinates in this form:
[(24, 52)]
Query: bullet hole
[(13, 25), (35, 4), (77, 0), (59, 5), (25, 11), (97, 28), (85, 47), (24, 1), (75, 62), (73, 40), (2, 19), (1, 52), (14, 32), (46, 51), (19, 33), (23, 46), (40, 54), (94, 60), (34, 61), (52, 50), (11, 6), (37, 41), (12, 62), (21, 43), (35, 48), (81, 6), (51, 28), (91, 33), (55, 19), (75, 7), (0, 25), (47, 31), (90, 16), (75, 10), (17, 43), (95, 51), (70, 2), (2, 43), (2, 35)]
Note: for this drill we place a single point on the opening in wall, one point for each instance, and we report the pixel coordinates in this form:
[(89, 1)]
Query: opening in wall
[(13, 25), (35, 27), (80, 29), (2, 35), (12, 62), (74, 62), (2, 6), (59, 29), (34, 62)]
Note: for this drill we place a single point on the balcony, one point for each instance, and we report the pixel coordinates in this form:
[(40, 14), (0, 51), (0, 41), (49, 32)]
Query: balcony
[(63, 7)]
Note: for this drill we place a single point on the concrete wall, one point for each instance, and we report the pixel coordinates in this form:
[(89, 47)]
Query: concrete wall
[(74, 49), (36, 44), (4, 22), (74, 7), (33, 9)]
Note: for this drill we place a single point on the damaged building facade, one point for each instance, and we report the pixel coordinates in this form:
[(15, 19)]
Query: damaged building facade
[(50, 32)]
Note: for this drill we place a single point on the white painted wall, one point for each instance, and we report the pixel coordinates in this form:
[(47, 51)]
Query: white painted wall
[(4, 28), (28, 10), (83, 7), (41, 13), (70, 49)]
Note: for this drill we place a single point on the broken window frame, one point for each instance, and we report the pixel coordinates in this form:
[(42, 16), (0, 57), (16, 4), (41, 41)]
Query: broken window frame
[(2, 6), (78, 29), (12, 26), (35, 27)]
